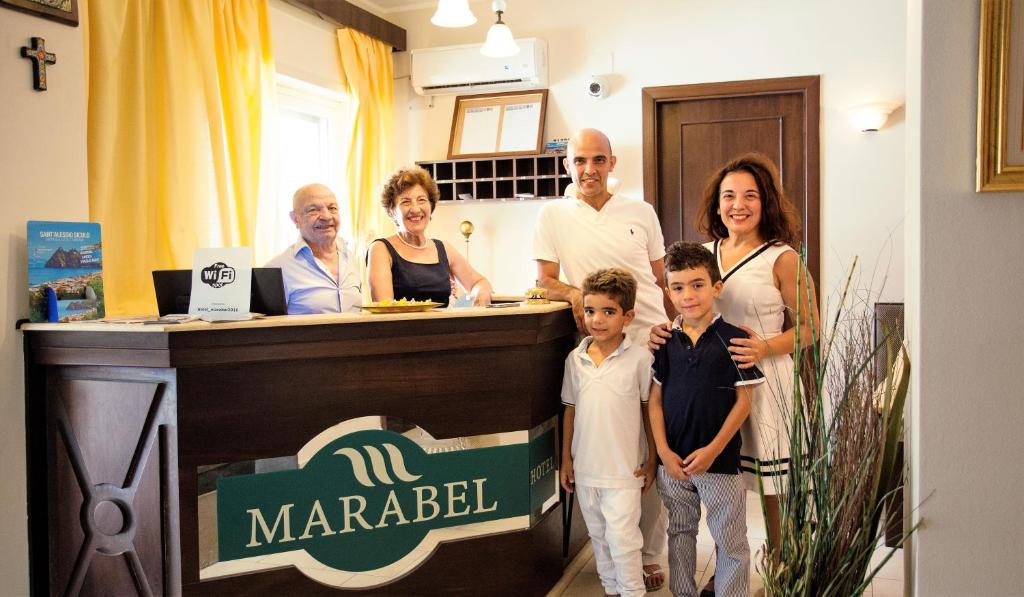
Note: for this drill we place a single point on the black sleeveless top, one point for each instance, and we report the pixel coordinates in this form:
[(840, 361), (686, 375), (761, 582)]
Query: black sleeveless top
[(420, 281)]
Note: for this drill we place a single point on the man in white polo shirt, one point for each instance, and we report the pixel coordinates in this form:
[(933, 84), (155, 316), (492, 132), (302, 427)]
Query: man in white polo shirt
[(596, 230)]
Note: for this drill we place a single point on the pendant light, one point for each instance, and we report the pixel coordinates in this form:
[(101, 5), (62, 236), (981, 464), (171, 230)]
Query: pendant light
[(499, 42), (453, 13)]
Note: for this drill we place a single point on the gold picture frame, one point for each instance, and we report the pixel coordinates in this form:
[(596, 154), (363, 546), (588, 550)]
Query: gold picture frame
[(1001, 96), (62, 11), (498, 124)]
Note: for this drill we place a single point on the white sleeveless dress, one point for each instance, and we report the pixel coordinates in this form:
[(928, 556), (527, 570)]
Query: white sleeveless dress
[(749, 297)]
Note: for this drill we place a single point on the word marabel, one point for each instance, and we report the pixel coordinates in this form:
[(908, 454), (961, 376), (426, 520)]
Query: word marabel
[(351, 515)]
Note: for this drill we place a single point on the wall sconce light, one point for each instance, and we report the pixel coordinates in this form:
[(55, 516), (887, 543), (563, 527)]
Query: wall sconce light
[(869, 118), (453, 13), (500, 43)]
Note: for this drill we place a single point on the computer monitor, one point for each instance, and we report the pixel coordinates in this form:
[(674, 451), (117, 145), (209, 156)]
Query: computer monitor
[(174, 288)]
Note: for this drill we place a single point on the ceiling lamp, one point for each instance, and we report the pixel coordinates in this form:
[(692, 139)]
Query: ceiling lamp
[(499, 42), (453, 13)]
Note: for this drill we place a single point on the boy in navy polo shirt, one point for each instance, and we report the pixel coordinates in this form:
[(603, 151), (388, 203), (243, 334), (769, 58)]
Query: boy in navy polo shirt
[(607, 456), (699, 399)]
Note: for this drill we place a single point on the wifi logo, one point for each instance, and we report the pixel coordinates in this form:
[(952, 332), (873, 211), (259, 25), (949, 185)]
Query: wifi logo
[(217, 275)]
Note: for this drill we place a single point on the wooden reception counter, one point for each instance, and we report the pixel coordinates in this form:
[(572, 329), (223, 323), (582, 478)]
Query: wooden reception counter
[(126, 421)]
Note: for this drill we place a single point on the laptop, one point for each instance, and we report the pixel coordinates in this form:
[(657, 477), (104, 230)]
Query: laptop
[(174, 287)]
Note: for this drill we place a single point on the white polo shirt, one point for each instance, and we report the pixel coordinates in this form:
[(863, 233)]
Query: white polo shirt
[(624, 233), (608, 442)]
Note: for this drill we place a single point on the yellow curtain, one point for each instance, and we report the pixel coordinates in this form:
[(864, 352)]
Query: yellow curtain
[(175, 94), (367, 70)]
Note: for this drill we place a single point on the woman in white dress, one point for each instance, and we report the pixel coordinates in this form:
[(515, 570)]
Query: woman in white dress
[(755, 227)]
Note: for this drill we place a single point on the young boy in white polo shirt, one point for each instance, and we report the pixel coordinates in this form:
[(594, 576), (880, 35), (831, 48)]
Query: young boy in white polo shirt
[(608, 455)]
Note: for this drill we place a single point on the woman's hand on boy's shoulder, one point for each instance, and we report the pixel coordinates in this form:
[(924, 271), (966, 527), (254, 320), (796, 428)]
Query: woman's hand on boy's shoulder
[(749, 351)]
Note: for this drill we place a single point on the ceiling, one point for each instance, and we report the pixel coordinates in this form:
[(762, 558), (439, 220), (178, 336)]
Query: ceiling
[(392, 6)]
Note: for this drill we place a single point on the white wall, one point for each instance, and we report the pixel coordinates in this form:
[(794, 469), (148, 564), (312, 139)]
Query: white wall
[(857, 48), (964, 278), (42, 177)]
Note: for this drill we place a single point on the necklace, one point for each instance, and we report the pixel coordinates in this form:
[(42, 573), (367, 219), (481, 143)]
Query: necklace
[(412, 246)]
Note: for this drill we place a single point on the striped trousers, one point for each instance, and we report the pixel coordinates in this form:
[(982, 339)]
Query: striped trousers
[(725, 501)]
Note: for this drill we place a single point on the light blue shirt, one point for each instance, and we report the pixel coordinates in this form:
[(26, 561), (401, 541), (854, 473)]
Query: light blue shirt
[(309, 286)]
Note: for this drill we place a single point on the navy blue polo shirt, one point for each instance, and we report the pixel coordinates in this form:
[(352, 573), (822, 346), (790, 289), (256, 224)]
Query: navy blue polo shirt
[(698, 389)]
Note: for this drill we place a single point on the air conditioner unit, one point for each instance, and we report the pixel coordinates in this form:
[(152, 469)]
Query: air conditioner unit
[(463, 69)]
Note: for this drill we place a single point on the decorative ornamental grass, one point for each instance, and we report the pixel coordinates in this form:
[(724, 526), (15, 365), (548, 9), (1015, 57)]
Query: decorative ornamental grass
[(843, 429)]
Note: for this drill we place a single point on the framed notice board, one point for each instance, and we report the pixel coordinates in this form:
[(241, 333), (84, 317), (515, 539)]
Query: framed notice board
[(498, 124)]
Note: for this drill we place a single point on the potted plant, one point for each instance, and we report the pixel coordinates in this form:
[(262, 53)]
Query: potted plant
[(844, 430)]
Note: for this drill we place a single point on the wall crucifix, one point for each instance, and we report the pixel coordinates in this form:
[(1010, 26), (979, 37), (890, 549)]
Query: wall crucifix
[(40, 58)]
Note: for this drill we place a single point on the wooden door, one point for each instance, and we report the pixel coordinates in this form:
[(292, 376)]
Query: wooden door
[(691, 130)]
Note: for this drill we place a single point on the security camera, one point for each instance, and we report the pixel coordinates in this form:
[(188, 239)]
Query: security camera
[(597, 87)]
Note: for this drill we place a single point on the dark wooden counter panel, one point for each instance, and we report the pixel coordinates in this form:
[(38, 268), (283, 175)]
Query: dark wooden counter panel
[(120, 418)]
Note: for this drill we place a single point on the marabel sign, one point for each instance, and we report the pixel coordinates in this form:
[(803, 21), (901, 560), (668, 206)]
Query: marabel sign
[(369, 498)]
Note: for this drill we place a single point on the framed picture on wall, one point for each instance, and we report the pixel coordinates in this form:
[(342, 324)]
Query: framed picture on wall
[(64, 11), (498, 124), (1001, 96)]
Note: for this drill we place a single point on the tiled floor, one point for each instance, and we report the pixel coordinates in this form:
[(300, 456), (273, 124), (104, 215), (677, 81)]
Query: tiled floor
[(580, 579)]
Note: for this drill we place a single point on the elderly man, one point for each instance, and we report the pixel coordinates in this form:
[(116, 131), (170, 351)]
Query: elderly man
[(321, 274), (596, 229)]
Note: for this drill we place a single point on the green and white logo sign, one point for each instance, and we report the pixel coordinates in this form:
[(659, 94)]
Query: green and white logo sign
[(369, 498)]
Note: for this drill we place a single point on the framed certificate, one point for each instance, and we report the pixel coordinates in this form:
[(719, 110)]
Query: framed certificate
[(63, 11), (498, 124)]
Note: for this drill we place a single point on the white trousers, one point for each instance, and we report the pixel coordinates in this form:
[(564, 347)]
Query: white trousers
[(613, 521)]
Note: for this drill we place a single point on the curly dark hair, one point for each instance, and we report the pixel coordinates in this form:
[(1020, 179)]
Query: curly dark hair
[(616, 283), (681, 256), (405, 179), (779, 218)]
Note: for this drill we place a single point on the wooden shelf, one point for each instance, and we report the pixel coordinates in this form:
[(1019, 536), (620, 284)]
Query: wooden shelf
[(520, 178)]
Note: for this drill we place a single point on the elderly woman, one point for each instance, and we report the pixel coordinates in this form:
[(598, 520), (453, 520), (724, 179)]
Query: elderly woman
[(409, 264)]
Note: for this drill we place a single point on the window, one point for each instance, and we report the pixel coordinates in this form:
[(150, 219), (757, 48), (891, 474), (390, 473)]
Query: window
[(304, 145)]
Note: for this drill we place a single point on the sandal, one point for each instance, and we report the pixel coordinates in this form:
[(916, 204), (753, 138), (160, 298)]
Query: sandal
[(709, 588), (654, 579)]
